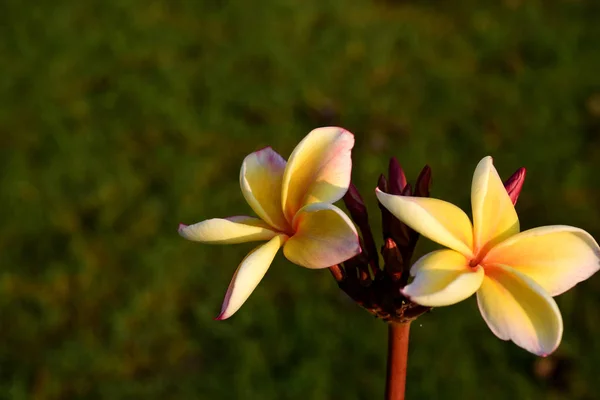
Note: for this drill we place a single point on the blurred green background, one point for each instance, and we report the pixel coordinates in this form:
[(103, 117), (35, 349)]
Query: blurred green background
[(121, 119)]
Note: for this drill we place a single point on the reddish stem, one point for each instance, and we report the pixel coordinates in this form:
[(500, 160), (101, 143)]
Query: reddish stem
[(337, 272), (397, 357)]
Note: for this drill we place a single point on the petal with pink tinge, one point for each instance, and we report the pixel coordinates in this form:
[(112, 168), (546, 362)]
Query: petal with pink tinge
[(318, 171)]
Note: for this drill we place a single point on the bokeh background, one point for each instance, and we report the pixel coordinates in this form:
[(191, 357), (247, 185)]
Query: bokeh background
[(120, 119)]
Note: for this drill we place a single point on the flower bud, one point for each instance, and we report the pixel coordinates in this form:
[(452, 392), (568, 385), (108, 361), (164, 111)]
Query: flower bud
[(358, 212), (514, 184), (423, 183), (397, 179)]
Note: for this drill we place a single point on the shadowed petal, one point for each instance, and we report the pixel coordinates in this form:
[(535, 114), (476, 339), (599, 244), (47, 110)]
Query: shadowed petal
[(260, 179), (248, 275), (518, 309), (318, 171), (230, 230), (443, 278), (494, 215), (324, 236), (556, 257), (435, 219)]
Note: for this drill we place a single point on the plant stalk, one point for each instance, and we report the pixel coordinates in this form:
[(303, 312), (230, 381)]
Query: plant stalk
[(397, 357)]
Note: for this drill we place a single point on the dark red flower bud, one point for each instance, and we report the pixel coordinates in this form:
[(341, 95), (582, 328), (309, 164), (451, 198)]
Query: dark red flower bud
[(382, 183), (514, 184), (407, 190), (358, 212), (393, 259), (423, 183), (355, 204), (397, 179)]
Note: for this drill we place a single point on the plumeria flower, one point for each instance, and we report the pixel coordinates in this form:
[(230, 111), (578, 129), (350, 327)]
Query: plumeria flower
[(293, 201), (514, 274)]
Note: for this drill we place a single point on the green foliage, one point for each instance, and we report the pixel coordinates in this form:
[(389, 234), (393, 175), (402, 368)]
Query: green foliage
[(121, 119)]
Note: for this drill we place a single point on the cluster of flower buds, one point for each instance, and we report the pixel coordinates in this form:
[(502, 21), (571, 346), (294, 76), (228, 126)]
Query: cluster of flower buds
[(378, 288)]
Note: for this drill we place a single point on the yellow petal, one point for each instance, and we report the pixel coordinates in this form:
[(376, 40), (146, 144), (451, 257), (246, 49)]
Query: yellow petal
[(494, 215), (260, 179), (435, 219), (318, 171), (556, 257), (442, 278), (249, 274), (230, 230), (324, 236), (518, 309)]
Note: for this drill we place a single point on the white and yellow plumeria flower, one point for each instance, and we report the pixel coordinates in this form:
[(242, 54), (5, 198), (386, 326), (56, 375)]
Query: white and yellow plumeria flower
[(514, 274), (294, 203)]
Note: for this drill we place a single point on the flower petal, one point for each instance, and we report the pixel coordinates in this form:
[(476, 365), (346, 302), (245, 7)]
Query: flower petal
[(260, 179), (324, 236), (556, 257), (239, 229), (248, 275), (318, 171), (494, 215), (518, 309), (443, 278), (435, 219)]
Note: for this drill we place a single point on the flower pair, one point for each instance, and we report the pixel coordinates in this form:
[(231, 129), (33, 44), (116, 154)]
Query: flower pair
[(514, 274)]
